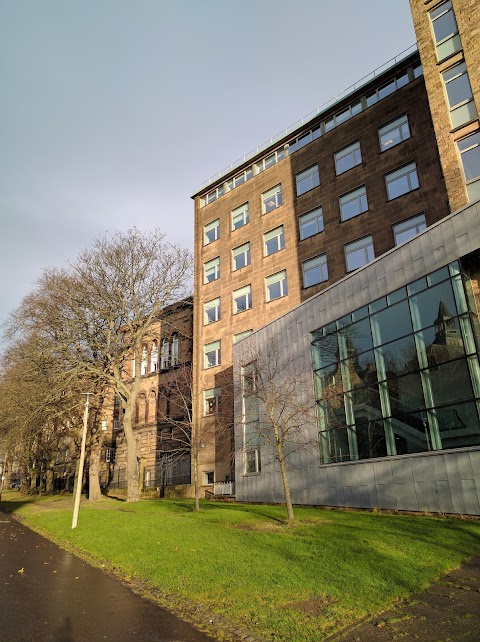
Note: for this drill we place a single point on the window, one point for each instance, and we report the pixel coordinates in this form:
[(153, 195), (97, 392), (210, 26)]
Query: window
[(304, 139), (214, 194), (401, 181), (238, 180), (359, 253), (211, 311), (315, 270), (353, 203), (211, 232), (110, 455), (154, 357), (250, 416), (272, 199), (144, 362), (240, 216), (273, 241), (459, 95), (241, 256), (165, 355), (311, 223), (212, 270), (104, 424), (175, 350), (394, 133), (469, 149), (271, 160), (211, 400), (406, 230), (242, 299), (307, 180), (208, 478), (211, 352), (347, 158), (343, 116), (445, 30), (241, 335), (276, 285)]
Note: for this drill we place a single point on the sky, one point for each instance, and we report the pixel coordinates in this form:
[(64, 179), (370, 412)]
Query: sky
[(114, 112)]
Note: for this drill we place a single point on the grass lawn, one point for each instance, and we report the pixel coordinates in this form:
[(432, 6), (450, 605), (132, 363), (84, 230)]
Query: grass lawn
[(240, 561)]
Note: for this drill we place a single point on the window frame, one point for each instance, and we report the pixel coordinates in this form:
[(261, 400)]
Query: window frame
[(215, 349), (349, 150), (270, 236), (241, 335), (453, 37), (215, 406), (209, 305), (239, 251), (398, 123), (448, 78), (273, 193), (319, 261), (283, 285), (312, 216), (241, 210), (215, 226), (364, 246), (354, 195), (209, 265), (474, 182), (245, 291), (414, 223), (311, 175), (398, 174)]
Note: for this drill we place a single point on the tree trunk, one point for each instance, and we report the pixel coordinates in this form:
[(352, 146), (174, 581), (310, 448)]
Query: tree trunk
[(195, 477), (286, 484), (94, 491), (49, 477), (133, 492)]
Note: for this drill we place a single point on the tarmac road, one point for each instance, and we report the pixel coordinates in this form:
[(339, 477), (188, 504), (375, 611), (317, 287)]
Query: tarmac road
[(50, 595)]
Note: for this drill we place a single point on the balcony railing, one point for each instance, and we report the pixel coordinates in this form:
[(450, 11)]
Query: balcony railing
[(221, 489)]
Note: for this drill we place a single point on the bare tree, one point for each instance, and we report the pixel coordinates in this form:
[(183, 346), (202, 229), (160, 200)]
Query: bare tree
[(277, 408), (99, 311)]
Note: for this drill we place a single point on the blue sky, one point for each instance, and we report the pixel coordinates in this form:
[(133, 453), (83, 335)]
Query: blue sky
[(114, 111)]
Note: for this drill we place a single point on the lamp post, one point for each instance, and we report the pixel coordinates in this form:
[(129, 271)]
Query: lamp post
[(78, 490)]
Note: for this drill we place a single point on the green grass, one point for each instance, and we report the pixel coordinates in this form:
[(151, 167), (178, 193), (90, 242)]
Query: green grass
[(240, 561)]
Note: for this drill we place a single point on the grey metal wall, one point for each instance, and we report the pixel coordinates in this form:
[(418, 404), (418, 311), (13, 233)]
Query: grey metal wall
[(442, 481)]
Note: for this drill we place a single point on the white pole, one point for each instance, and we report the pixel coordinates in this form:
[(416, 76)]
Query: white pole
[(78, 492)]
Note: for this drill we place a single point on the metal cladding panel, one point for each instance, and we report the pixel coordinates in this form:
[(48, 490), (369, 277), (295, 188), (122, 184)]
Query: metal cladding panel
[(455, 480), (444, 497), (472, 505)]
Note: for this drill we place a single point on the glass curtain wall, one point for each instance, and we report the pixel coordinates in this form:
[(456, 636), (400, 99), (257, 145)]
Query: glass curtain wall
[(401, 375)]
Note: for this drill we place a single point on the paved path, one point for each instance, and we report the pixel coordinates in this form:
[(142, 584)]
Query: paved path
[(447, 611), (50, 595)]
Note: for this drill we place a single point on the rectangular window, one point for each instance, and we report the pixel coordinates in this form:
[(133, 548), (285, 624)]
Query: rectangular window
[(211, 232), (307, 180), (272, 199), (315, 271), (212, 270), (250, 416), (311, 223), (353, 203), (359, 253), (445, 30), (276, 285), (303, 140), (394, 133), (104, 424), (406, 230), (401, 181), (241, 335), (459, 95), (271, 160), (214, 194), (211, 354), (347, 158), (469, 149), (238, 180), (211, 401), (211, 311), (242, 299), (240, 216), (273, 241), (241, 256)]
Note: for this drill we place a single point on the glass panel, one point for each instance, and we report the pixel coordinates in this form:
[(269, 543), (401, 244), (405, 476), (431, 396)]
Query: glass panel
[(358, 337), (459, 425), (371, 440), (334, 445), (391, 323), (398, 295), (359, 371), (411, 433), (325, 351), (431, 304), (406, 394), (441, 342), (450, 382), (398, 357)]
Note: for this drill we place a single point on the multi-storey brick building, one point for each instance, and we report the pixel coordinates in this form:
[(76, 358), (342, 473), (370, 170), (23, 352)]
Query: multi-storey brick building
[(358, 178), (448, 35), (164, 457)]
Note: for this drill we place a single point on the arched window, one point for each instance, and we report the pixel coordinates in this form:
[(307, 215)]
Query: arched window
[(165, 354), (175, 350), (154, 357), (143, 369), (141, 407), (152, 404)]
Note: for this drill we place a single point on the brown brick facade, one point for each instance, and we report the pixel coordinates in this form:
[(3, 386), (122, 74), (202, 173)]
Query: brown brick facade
[(467, 15), (430, 198)]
